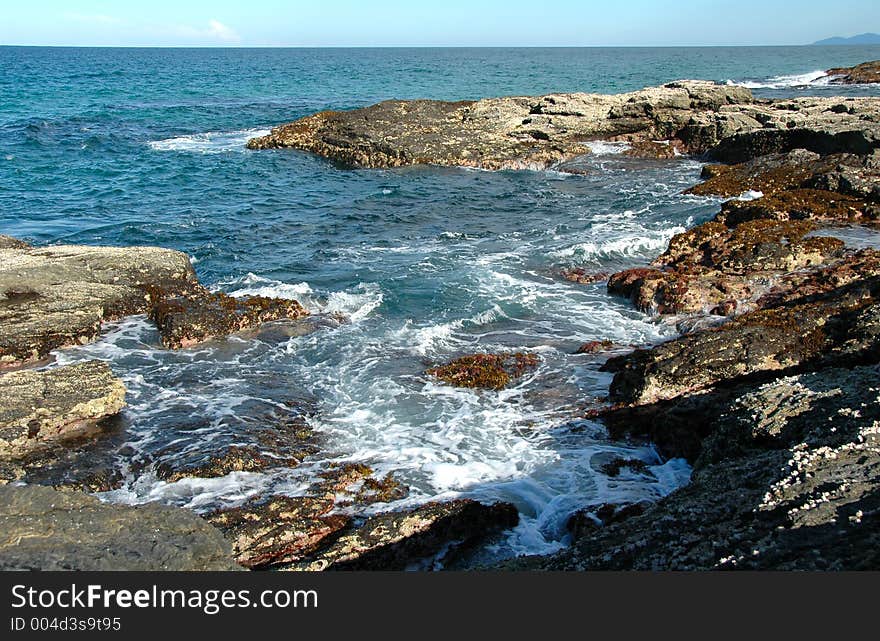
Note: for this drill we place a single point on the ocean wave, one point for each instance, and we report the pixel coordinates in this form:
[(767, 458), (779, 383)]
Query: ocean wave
[(209, 142), (356, 304), (813, 78), (630, 246), (605, 148)]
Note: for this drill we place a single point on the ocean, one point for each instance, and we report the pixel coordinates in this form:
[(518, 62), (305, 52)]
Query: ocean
[(147, 147)]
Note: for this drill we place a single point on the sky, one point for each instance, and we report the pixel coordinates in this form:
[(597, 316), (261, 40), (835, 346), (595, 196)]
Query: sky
[(312, 23)]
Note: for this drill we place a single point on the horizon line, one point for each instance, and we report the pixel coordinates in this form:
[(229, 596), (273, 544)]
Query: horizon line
[(425, 46)]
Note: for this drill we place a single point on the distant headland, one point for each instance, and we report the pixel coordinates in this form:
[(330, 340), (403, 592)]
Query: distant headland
[(862, 39)]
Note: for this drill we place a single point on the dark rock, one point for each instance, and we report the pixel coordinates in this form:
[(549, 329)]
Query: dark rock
[(587, 521), (613, 468), (786, 479), (836, 326), (771, 173), (47, 529), (395, 540)]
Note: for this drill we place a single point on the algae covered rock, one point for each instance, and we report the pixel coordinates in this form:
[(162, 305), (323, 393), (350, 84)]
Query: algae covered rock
[(488, 371)]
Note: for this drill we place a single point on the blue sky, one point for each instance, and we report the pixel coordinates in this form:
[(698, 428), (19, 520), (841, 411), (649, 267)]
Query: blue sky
[(421, 23)]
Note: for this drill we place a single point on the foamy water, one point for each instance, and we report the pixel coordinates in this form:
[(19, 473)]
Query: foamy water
[(210, 142), (813, 78), (354, 371)]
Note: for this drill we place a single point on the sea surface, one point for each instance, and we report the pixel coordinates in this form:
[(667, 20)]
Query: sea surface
[(146, 147)]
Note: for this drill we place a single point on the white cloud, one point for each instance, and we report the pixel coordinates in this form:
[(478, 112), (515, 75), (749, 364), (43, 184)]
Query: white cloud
[(220, 31), (216, 31)]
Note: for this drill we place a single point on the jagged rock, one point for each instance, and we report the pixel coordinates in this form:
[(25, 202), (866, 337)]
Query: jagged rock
[(785, 478), (777, 172), (713, 268), (46, 529), (280, 530), (488, 371), (502, 133), (865, 73), (837, 326), (39, 407), (395, 540)]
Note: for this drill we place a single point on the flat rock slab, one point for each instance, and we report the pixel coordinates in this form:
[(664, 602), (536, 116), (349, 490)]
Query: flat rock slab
[(46, 529), (505, 133), (541, 131), (58, 296), (41, 407)]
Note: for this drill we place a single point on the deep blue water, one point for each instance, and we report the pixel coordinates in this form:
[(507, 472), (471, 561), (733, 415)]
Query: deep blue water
[(146, 146)]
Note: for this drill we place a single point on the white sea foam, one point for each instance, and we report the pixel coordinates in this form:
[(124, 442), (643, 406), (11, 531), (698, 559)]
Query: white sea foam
[(605, 148), (814, 78), (750, 195), (210, 142), (356, 304), (630, 246)]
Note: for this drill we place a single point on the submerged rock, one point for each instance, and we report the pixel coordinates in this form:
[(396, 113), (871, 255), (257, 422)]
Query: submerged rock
[(488, 371), (46, 529)]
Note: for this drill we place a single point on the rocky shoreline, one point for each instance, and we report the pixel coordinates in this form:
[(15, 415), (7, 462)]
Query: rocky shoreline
[(772, 391)]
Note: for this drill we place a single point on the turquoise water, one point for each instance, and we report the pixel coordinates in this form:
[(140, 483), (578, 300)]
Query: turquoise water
[(136, 146)]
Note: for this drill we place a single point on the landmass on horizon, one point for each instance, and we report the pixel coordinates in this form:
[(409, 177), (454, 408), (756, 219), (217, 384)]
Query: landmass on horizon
[(861, 39)]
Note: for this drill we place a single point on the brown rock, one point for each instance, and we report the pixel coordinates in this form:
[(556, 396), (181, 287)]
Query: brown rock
[(394, 540), (184, 321), (489, 371), (865, 73), (267, 533)]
